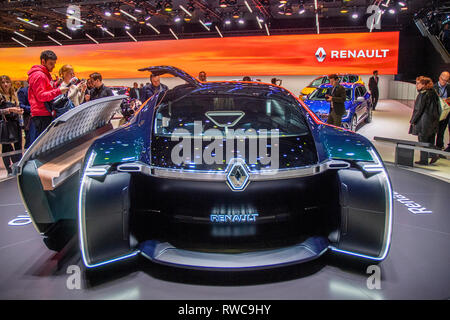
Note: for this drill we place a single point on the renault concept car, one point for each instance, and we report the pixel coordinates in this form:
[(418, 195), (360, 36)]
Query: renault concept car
[(358, 106), (208, 175)]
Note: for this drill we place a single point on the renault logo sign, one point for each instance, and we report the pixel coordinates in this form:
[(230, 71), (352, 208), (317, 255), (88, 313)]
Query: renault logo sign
[(237, 175), (320, 54)]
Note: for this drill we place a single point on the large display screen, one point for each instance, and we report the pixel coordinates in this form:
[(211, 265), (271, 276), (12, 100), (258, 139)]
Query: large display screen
[(314, 54)]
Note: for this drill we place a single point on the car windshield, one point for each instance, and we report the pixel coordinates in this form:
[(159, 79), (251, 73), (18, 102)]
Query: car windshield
[(229, 112), (317, 82), (319, 94)]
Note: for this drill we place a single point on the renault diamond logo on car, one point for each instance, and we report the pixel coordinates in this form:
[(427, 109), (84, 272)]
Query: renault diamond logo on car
[(320, 54), (238, 175)]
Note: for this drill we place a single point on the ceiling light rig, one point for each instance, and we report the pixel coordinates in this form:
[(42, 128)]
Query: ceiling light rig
[(23, 36), (87, 35), (55, 41), (173, 33), (14, 39), (153, 27)]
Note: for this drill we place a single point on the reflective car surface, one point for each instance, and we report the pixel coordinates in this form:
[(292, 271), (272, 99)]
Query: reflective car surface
[(358, 105), (343, 78)]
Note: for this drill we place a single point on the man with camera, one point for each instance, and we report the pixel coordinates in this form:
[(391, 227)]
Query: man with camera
[(337, 101), (42, 90)]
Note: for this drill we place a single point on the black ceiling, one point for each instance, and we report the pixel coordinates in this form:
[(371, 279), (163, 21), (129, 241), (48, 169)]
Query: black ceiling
[(98, 27)]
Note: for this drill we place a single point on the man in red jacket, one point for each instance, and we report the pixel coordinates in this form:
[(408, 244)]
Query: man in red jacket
[(41, 90)]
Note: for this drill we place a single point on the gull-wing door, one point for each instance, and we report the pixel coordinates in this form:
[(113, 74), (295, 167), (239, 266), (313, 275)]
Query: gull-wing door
[(161, 70)]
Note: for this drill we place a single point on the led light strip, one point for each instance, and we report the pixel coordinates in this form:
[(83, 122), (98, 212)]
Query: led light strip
[(173, 33), (317, 16), (54, 40), (29, 22), (203, 24), (259, 22), (184, 9), (87, 35), (81, 224), (248, 6), (267, 29), (19, 42), (218, 31), (23, 36), (388, 225), (151, 26), (75, 18), (107, 31), (131, 36), (128, 15), (65, 35)]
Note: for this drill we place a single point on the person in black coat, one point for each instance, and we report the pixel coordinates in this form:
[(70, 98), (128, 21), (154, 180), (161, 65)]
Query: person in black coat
[(135, 92), (337, 100), (425, 118), (153, 87), (99, 90), (373, 87)]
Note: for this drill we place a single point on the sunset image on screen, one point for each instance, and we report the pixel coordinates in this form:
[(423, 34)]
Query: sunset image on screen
[(229, 56)]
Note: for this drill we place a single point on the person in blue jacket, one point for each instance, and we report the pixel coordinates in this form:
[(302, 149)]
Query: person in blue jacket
[(30, 132)]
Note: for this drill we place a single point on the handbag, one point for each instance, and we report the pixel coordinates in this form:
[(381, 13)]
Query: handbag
[(444, 109), (9, 130), (59, 105)]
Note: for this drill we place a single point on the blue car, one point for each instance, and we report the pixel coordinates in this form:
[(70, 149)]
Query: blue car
[(358, 106)]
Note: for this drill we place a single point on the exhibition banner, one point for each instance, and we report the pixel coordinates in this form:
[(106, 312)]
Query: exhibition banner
[(314, 54)]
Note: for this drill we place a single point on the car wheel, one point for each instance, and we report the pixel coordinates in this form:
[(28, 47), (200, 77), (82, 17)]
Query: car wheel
[(353, 124), (369, 116)]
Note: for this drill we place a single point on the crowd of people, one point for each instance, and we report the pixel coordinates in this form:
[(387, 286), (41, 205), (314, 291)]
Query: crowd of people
[(30, 107)]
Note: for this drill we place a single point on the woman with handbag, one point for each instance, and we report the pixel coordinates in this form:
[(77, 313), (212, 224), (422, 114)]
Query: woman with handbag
[(425, 118), (10, 131)]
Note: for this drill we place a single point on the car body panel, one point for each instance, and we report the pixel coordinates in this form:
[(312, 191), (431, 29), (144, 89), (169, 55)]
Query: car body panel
[(360, 109), (197, 218), (344, 78)]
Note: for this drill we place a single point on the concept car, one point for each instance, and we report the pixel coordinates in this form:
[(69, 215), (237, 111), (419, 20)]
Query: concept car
[(207, 175), (358, 105), (317, 82)]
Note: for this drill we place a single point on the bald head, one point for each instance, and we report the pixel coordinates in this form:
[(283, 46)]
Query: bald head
[(443, 78)]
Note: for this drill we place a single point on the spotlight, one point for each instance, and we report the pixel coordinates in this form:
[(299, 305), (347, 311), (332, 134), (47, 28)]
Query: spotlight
[(392, 11), (236, 14), (207, 20), (168, 6), (402, 3), (288, 10), (283, 1), (141, 20), (344, 10), (355, 15), (227, 21), (45, 25), (21, 28), (127, 27), (177, 19), (223, 3), (116, 11), (70, 11), (301, 9), (241, 21), (107, 13)]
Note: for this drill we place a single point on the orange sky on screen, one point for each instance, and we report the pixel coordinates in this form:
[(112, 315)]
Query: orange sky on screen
[(232, 56)]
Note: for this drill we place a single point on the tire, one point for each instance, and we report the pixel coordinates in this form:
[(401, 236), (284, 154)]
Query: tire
[(369, 116), (353, 124)]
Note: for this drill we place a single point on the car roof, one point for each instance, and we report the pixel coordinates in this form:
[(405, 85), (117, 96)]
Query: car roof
[(344, 84)]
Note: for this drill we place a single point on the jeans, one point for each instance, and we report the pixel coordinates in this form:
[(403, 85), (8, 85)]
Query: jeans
[(40, 124)]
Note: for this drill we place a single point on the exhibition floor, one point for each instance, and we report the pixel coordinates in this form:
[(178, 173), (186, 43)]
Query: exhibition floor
[(416, 268)]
